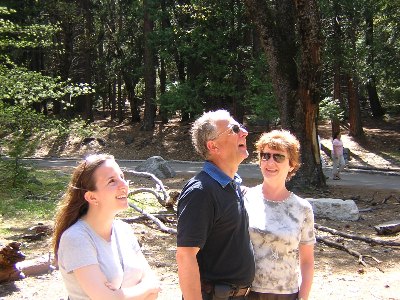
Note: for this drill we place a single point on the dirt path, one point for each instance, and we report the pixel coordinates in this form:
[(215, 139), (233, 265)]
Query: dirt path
[(338, 275)]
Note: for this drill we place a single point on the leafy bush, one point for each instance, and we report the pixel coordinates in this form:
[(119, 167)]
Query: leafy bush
[(329, 109)]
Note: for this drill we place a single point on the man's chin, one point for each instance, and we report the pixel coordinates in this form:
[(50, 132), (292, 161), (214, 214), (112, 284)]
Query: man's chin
[(245, 154)]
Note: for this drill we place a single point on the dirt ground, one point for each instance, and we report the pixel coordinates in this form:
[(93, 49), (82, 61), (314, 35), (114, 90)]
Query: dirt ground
[(338, 275)]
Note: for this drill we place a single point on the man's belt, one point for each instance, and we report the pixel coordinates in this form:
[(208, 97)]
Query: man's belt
[(224, 289)]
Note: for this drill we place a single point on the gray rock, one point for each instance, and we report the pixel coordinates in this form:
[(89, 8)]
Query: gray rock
[(335, 209), (157, 166)]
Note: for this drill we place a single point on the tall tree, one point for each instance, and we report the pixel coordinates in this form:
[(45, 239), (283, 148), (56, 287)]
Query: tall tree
[(149, 67), (376, 107), (290, 35)]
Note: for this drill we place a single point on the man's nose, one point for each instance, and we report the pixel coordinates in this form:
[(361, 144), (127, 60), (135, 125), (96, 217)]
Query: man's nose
[(243, 131)]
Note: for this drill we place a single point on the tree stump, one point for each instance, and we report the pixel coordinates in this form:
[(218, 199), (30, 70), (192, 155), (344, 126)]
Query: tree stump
[(10, 255)]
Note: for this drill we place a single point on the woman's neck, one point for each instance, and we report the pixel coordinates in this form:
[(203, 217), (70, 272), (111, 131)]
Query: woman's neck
[(100, 224), (274, 193)]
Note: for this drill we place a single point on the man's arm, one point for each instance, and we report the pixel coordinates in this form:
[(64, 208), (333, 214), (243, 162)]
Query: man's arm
[(188, 272)]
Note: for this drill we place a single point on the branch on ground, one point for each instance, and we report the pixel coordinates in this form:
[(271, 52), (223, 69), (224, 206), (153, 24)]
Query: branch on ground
[(350, 251), (368, 240)]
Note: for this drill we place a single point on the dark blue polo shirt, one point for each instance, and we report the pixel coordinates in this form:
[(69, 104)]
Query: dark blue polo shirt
[(211, 216)]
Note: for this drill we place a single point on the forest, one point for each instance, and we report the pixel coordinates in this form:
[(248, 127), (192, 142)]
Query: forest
[(267, 62)]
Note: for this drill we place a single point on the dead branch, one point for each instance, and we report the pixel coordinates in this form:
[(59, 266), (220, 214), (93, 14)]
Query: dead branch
[(368, 209), (159, 186), (150, 191), (390, 196), (154, 219), (356, 237), (348, 250)]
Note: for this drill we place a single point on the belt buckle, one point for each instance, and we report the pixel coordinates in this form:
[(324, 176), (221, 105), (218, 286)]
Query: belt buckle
[(238, 289), (247, 291)]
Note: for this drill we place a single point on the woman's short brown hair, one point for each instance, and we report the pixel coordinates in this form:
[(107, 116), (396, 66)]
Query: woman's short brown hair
[(281, 140)]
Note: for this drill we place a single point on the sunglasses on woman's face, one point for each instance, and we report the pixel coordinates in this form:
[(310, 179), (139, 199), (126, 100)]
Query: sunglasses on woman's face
[(279, 158)]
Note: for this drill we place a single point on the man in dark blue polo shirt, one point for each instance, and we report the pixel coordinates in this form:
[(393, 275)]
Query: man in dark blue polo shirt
[(214, 254)]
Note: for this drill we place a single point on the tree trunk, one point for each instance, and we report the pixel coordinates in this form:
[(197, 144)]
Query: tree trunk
[(335, 125), (163, 72), (133, 100), (295, 88), (120, 100), (10, 255), (337, 54), (113, 100), (88, 56), (356, 129), (376, 108), (149, 70)]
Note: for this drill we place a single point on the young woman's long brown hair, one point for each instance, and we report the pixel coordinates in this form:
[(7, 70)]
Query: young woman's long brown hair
[(73, 205)]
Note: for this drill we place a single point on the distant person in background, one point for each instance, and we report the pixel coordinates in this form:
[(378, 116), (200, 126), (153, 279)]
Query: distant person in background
[(281, 224), (99, 257), (320, 151), (337, 156)]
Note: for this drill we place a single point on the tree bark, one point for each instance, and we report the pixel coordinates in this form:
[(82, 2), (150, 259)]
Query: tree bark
[(87, 58), (9, 256), (356, 129), (120, 99), (337, 54), (295, 71), (376, 108), (335, 125), (149, 70)]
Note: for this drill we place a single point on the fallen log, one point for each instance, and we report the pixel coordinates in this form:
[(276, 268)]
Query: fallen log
[(37, 266), (356, 237), (388, 228)]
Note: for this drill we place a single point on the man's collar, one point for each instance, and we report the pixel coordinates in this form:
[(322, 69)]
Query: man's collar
[(219, 176)]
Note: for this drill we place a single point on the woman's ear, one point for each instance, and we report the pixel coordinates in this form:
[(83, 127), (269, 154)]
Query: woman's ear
[(91, 198)]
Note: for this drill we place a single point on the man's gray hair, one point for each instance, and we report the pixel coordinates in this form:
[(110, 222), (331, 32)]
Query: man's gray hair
[(204, 129)]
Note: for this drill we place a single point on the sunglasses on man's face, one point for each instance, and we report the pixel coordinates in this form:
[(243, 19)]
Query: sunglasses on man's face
[(235, 128), (279, 158)]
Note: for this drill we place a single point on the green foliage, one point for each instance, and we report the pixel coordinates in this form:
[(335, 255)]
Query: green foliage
[(24, 87), (18, 84), (260, 98), (349, 50), (180, 97), (22, 130), (330, 109), (16, 36), (36, 199), (80, 128)]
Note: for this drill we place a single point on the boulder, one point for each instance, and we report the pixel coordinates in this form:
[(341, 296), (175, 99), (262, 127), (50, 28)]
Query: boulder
[(157, 166), (335, 209)]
